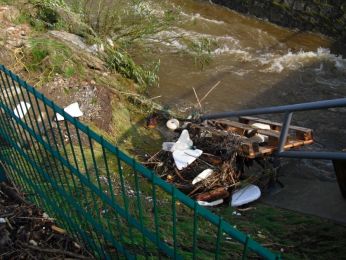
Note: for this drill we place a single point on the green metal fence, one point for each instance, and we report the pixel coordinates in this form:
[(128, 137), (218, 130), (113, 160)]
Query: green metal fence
[(102, 197)]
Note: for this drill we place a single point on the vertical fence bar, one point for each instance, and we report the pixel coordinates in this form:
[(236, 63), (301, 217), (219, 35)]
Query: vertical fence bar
[(246, 248), (174, 220), (284, 131), (218, 239), (195, 229)]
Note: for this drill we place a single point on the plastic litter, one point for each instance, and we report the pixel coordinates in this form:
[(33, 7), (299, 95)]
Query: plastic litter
[(73, 110), (184, 142), (2, 220), (259, 137), (261, 126), (210, 204), (202, 176), (183, 155), (184, 158), (173, 124), (22, 109), (245, 195), (236, 213), (167, 146)]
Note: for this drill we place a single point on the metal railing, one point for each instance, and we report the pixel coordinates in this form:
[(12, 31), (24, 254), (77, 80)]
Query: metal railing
[(288, 111), (101, 196)]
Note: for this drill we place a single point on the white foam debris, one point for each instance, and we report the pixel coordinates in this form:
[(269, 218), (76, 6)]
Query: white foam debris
[(73, 110), (22, 109), (245, 195), (202, 176), (184, 158), (210, 204)]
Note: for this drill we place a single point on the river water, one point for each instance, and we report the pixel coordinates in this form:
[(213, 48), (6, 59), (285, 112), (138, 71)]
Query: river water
[(257, 64)]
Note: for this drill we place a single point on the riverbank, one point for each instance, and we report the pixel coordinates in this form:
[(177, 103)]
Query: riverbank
[(65, 67)]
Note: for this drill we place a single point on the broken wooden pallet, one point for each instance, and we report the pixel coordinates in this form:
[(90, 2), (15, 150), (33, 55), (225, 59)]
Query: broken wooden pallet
[(250, 147)]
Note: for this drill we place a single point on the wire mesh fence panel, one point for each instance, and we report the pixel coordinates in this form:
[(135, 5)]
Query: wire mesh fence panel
[(101, 196)]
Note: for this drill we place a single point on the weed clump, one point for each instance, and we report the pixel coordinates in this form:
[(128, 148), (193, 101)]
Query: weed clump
[(48, 57)]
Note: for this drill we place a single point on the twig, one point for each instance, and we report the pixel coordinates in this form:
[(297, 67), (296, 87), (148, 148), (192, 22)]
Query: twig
[(152, 157), (199, 102), (194, 190), (213, 87), (11, 193), (179, 175), (277, 244), (36, 218), (154, 97), (53, 251), (246, 209)]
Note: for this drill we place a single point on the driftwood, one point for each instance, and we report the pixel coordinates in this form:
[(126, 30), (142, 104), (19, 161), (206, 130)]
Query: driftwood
[(28, 233)]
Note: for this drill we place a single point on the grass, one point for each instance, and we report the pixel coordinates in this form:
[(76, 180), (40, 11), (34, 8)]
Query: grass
[(122, 63), (48, 57)]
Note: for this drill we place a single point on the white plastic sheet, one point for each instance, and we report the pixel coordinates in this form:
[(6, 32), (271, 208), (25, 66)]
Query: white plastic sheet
[(184, 158), (22, 109), (210, 204), (202, 176), (245, 195), (183, 154), (73, 110)]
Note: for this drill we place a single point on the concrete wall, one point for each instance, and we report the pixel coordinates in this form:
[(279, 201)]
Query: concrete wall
[(325, 16)]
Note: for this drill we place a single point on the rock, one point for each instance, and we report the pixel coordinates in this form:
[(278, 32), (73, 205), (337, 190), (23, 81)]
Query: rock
[(8, 13), (85, 52), (76, 40)]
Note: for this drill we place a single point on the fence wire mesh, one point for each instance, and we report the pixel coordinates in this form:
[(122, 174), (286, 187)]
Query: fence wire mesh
[(101, 196)]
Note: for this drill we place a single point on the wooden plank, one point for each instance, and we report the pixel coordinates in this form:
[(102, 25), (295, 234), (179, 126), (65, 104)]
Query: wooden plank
[(301, 133), (340, 171), (251, 149), (243, 119)]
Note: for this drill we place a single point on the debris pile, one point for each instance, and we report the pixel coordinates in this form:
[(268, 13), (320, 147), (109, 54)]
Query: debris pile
[(28, 233), (203, 162)]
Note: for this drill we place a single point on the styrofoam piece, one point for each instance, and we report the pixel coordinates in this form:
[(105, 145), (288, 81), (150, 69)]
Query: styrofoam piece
[(173, 124), (184, 158), (73, 110), (2, 220), (184, 142), (261, 126), (210, 204), (245, 195), (22, 109), (259, 137), (167, 146), (202, 176)]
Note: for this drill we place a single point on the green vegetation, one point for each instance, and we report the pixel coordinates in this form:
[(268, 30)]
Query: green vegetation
[(201, 50), (48, 57)]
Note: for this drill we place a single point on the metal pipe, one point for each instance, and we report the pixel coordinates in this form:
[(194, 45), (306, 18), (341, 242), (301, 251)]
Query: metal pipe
[(341, 102), (313, 155), (284, 131)]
